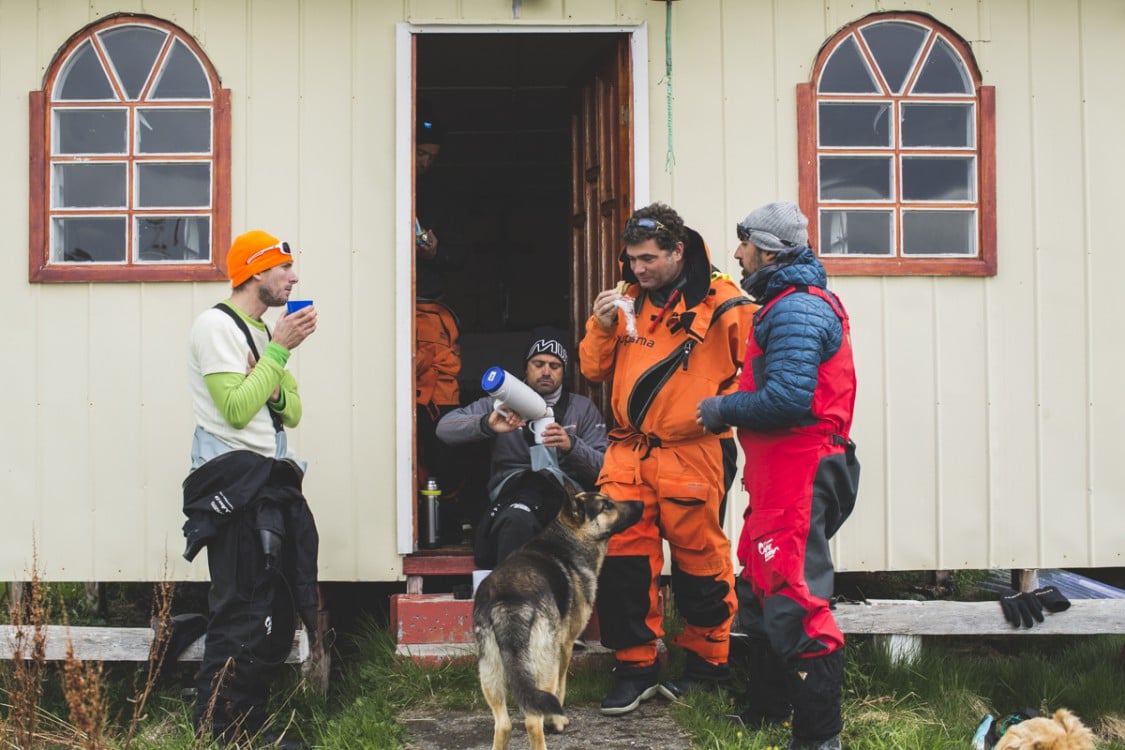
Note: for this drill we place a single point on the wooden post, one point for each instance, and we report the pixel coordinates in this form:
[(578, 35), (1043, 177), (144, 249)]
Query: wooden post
[(1025, 579), (319, 663), (902, 649)]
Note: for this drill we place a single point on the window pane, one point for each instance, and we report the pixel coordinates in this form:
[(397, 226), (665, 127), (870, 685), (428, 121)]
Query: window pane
[(855, 178), (937, 125), (173, 131), (895, 47), (846, 72), (85, 239), (173, 238), (939, 233), (854, 125), (855, 233), (88, 186), (89, 131), (132, 52), (83, 77), (183, 185), (927, 178), (182, 76), (943, 72)]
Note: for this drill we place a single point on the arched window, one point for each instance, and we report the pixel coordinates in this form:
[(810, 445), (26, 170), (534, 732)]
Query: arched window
[(897, 151), (130, 158)]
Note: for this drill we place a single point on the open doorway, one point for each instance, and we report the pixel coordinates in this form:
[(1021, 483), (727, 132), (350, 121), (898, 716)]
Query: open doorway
[(535, 176)]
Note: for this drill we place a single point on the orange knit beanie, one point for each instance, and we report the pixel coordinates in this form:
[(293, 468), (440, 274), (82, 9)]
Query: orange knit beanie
[(254, 252)]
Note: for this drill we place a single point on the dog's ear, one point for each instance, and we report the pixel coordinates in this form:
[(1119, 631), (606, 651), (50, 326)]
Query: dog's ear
[(574, 506), (1078, 736)]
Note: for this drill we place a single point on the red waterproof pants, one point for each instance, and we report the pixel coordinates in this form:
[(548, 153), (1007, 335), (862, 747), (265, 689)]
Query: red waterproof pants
[(794, 480)]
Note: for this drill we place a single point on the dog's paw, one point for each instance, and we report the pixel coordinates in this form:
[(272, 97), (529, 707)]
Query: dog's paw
[(555, 724)]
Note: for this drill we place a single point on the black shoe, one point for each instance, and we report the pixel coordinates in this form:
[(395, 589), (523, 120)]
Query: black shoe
[(633, 685), (675, 690), (698, 675)]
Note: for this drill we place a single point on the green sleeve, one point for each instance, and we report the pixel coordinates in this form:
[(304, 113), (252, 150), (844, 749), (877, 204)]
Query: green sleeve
[(289, 405), (240, 397)]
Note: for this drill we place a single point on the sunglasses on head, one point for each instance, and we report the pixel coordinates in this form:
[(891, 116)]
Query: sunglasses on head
[(647, 223), (282, 246), (744, 233)]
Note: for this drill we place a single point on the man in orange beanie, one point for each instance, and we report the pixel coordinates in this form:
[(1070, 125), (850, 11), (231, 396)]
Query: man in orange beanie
[(243, 496)]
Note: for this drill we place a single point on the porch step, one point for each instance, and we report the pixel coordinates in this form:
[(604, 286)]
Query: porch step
[(431, 618), (444, 561), (438, 626)]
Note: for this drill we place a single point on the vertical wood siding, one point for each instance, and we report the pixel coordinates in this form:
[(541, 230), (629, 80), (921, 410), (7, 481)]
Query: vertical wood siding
[(988, 409)]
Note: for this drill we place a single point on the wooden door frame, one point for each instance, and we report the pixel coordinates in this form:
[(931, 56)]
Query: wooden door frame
[(405, 83)]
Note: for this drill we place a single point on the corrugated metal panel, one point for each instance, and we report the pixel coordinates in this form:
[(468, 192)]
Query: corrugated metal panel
[(1099, 226), (988, 408)]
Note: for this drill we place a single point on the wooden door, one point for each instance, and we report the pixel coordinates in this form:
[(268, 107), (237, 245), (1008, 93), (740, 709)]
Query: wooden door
[(601, 134)]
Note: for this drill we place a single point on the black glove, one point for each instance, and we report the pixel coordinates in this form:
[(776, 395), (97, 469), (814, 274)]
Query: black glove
[(1021, 607), (1051, 599), (711, 415)]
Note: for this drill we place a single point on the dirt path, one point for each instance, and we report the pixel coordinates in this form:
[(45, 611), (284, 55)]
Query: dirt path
[(650, 727)]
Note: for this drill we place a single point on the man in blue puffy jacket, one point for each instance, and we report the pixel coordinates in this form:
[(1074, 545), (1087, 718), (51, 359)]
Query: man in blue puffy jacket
[(793, 410)]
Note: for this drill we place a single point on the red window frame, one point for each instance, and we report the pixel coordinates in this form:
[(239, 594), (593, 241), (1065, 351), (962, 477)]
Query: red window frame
[(808, 98), (40, 267)]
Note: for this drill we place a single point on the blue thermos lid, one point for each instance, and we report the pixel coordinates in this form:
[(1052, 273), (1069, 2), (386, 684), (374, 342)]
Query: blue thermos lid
[(493, 379)]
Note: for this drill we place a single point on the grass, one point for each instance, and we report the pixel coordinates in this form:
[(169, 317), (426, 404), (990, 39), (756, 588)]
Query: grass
[(935, 702)]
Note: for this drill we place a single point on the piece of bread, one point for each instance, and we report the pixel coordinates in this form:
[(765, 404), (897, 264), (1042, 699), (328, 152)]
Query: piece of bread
[(622, 286)]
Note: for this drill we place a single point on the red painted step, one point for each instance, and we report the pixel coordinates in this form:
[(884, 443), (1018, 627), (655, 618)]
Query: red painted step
[(440, 618), (431, 618)]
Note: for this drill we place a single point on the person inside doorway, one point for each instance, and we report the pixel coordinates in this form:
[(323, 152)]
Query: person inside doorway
[(437, 347)]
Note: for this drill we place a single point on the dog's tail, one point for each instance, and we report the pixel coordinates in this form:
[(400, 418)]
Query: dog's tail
[(529, 698)]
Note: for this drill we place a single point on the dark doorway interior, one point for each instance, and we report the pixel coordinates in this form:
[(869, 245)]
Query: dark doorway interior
[(505, 169)]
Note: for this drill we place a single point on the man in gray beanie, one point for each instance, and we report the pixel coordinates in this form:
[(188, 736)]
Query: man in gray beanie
[(793, 410), (778, 232)]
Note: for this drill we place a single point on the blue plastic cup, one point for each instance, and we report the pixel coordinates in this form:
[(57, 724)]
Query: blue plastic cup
[(294, 305)]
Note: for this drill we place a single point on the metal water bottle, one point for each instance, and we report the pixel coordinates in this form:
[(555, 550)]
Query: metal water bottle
[(429, 515)]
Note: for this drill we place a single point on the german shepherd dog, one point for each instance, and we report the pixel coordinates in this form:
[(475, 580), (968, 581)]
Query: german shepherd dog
[(535, 603)]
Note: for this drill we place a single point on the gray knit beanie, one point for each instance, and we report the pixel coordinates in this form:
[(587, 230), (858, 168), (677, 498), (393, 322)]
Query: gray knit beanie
[(776, 227)]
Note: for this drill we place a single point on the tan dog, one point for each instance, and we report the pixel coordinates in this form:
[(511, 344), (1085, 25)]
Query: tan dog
[(1063, 731), (532, 606)]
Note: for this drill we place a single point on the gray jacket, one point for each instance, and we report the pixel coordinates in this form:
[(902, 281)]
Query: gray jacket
[(511, 451)]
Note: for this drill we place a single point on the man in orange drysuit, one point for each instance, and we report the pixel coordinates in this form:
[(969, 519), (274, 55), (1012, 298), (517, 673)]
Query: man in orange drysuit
[(674, 337)]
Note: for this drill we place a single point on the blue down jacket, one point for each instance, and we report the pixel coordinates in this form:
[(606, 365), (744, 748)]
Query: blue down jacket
[(797, 334)]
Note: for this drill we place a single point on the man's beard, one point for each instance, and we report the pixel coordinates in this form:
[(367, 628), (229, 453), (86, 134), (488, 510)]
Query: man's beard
[(268, 298)]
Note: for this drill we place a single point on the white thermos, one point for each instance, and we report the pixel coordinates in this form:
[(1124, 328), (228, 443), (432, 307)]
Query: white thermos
[(512, 394)]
